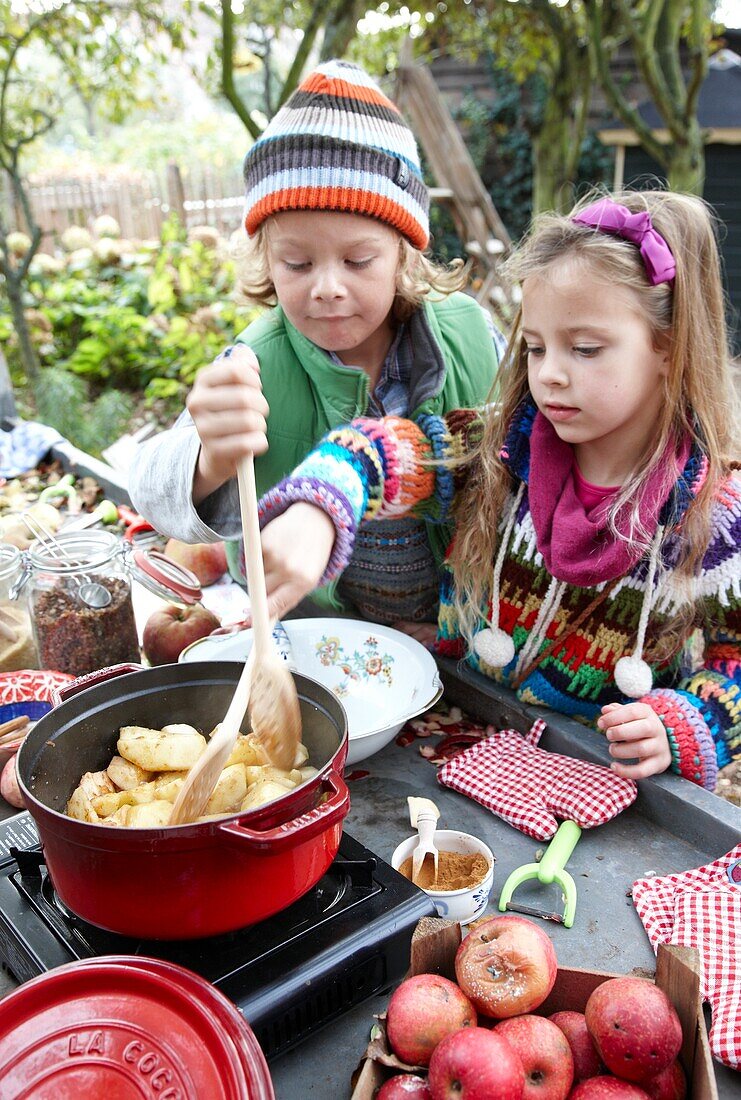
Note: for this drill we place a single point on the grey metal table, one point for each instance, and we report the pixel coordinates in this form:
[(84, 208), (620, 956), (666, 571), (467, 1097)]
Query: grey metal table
[(672, 826)]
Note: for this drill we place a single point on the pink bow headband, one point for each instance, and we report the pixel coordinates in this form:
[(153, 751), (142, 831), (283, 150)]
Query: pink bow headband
[(610, 217)]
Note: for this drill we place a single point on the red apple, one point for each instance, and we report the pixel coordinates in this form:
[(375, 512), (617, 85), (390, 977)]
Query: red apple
[(206, 559), (475, 1064), (405, 1086), (545, 1055), (9, 787), (607, 1088), (170, 629), (635, 1027), (506, 966), (422, 1011), (586, 1059), (670, 1084)]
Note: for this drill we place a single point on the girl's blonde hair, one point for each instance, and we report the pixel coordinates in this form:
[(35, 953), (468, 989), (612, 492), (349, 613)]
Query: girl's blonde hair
[(418, 277), (687, 318)]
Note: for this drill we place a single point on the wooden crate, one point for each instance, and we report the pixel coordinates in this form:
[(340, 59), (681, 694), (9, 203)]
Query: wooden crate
[(677, 972)]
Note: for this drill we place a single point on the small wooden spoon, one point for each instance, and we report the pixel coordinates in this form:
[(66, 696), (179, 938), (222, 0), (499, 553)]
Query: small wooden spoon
[(265, 681)]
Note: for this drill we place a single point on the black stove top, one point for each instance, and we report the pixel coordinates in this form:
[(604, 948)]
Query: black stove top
[(344, 941)]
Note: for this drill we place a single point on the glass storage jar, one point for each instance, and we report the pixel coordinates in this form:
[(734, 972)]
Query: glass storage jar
[(80, 599), (17, 644)]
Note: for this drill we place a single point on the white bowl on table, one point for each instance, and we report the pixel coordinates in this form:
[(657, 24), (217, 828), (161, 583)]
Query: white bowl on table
[(381, 676), (464, 905)]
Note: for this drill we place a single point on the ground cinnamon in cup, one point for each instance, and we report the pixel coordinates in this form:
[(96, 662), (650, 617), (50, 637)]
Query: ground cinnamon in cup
[(455, 871)]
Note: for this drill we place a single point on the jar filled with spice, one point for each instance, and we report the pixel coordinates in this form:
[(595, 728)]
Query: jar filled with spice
[(17, 645), (81, 606)]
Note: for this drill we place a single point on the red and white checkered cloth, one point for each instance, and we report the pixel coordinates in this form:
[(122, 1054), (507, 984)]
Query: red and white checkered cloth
[(529, 787), (702, 908)]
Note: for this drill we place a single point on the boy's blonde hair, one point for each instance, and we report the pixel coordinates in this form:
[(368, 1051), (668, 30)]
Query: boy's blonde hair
[(687, 317), (417, 276)]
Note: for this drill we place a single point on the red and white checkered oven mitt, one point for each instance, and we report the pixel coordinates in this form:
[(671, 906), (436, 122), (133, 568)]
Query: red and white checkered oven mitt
[(529, 788), (702, 908)]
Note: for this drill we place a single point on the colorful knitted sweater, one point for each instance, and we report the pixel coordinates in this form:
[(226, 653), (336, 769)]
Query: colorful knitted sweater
[(380, 468)]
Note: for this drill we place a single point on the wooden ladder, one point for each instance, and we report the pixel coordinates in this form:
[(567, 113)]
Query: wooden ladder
[(459, 185)]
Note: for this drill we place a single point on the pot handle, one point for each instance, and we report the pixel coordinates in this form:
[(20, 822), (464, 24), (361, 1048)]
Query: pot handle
[(66, 691), (302, 828)]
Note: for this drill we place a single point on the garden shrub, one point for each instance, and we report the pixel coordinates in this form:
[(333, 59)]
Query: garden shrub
[(114, 321)]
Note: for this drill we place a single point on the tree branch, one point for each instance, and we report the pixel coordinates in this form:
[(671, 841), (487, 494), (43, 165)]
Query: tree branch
[(698, 55), (615, 96), (316, 22), (227, 70)]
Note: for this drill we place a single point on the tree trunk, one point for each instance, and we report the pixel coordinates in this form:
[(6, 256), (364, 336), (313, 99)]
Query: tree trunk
[(340, 28), (29, 358), (686, 163), (556, 146)]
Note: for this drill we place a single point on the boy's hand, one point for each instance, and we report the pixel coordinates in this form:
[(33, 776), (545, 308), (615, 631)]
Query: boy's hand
[(635, 730), (296, 548), (229, 412)]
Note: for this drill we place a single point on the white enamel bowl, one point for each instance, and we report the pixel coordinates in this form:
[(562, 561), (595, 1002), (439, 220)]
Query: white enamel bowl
[(463, 905), (382, 677)]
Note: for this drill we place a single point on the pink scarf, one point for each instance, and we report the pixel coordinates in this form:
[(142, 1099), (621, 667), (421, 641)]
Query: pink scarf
[(576, 544)]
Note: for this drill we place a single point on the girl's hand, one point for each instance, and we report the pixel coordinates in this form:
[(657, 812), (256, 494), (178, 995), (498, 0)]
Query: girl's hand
[(229, 412), (296, 548), (635, 730)]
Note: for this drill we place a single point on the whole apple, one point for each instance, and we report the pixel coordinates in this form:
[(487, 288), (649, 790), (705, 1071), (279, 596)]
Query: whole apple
[(207, 560), (421, 1012), (405, 1086), (9, 787), (506, 966), (475, 1064), (170, 629), (607, 1088), (635, 1027), (670, 1084), (545, 1055), (586, 1059)]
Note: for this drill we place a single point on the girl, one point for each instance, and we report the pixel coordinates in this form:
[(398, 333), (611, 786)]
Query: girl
[(598, 517), (336, 210)]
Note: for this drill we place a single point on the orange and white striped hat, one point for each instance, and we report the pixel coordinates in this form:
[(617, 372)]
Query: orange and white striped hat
[(338, 143)]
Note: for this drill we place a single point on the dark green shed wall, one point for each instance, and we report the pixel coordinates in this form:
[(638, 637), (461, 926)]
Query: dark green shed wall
[(723, 192)]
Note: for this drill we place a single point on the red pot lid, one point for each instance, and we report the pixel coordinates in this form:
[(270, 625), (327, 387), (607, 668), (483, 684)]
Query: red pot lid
[(123, 1028)]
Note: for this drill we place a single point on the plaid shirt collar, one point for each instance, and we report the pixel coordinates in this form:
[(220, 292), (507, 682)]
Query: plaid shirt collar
[(391, 395)]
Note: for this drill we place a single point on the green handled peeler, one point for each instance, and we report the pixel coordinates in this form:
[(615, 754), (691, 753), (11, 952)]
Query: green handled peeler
[(550, 869)]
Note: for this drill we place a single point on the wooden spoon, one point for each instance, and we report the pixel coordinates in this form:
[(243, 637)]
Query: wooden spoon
[(274, 708), (200, 781), (265, 681)]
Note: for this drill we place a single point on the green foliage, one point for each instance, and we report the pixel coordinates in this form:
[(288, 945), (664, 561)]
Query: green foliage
[(62, 402), (109, 332)]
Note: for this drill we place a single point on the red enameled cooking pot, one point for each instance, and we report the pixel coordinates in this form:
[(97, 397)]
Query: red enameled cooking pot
[(191, 880)]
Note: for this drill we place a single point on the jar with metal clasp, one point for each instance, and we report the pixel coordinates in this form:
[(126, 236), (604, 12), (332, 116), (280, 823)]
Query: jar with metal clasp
[(17, 644), (80, 597)]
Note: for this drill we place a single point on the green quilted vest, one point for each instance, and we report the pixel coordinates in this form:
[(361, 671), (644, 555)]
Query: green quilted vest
[(454, 366)]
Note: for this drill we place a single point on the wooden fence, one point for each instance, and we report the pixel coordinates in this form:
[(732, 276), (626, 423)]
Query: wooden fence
[(139, 203)]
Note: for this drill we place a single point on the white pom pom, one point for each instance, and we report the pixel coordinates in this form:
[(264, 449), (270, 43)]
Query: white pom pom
[(633, 677), (494, 647)]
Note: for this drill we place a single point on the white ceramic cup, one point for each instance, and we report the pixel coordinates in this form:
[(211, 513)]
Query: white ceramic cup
[(463, 905)]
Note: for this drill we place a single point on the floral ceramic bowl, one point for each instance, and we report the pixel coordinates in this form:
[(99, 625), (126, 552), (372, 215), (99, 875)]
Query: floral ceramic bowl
[(464, 905), (382, 677)]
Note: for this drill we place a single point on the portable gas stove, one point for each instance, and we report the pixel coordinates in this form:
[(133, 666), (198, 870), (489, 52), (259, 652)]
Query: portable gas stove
[(344, 941)]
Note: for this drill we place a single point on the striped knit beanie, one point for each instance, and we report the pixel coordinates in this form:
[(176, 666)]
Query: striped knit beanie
[(338, 144)]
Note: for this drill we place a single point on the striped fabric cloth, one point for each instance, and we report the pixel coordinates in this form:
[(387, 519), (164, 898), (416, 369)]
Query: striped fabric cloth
[(380, 468), (338, 143)]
